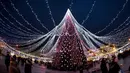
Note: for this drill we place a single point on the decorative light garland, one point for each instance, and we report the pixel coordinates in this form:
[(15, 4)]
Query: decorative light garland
[(13, 6), (117, 15), (15, 18), (36, 16), (50, 12), (14, 33), (13, 30), (118, 28), (88, 36), (16, 27), (70, 6), (89, 13)]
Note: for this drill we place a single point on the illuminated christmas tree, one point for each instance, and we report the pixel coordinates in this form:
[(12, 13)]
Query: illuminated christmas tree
[(70, 54)]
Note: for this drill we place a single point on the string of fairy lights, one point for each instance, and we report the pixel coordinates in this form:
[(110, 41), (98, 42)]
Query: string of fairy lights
[(16, 27), (13, 6), (113, 20), (124, 27), (124, 24), (14, 17), (50, 12), (71, 4), (37, 42), (13, 33), (36, 15), (89, 13)]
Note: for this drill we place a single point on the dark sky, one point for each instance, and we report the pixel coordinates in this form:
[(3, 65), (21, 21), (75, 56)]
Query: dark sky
[(101, 16)]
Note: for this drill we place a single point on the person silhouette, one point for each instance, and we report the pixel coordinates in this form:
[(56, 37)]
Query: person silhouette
[(7, 61)]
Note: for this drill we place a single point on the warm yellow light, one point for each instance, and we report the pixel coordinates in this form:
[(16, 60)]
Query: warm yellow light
[(129, 39), (33, 59), (12, 53)]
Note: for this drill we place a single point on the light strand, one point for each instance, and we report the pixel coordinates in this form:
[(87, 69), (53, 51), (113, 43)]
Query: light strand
[(89, 13), (70, 6), (12, 30), (17, 28), (50, 13), (24, 18), (36, 15), (15, 18), (35, 45), (123, 27), (116, 29), (14, 34), (112, 21)]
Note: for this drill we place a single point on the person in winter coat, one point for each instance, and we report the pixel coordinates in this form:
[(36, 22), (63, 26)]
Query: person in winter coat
[(7, 61), (103, 66), (13, 68), (114, 67), (28, 66), (129, 68), (1, 54)]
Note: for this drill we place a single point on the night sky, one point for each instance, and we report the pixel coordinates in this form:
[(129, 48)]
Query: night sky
[(104, 11)]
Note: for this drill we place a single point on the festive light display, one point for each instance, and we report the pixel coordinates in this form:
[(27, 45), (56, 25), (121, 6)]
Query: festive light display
[(36, 15), (50, 13), (113, 18), (70, 53), (124, 27), (71, 4), (14, 33), (119, 27), (89, 13), (18, 28), (15, 18), (91, 40), (13, 6), (68, 46)]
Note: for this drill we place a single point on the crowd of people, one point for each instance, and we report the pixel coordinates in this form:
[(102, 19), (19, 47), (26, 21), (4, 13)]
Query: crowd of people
[(12, 64), (115, 64), (110, 66), (107, 65)]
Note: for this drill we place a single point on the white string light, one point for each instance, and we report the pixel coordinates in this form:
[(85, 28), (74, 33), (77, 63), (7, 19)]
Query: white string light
[(40, 37), (13, 31), (14, 36), (123, 27), (17, 28), (51, 45), (9, 48), (36, 15), (15, 19), (50, 12), (13, 6), (48, 46), (70, 6), (118, 28), (89, 13), (117, 15), (35, 45), (87, 36)]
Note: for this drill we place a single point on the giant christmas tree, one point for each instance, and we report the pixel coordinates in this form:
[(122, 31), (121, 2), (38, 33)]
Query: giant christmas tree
[(70, 53)]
